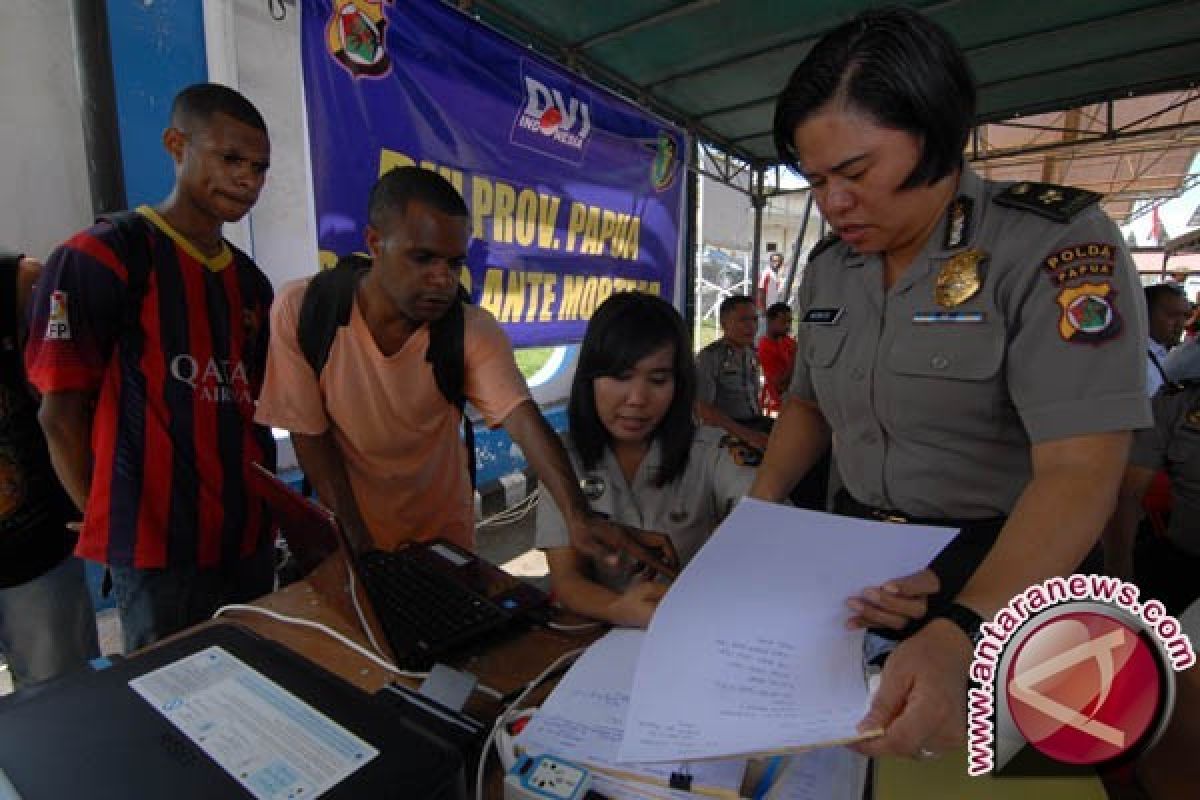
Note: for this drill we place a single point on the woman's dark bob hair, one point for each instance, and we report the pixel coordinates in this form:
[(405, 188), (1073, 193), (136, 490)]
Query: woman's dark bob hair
[(626, 328), (898, 67)]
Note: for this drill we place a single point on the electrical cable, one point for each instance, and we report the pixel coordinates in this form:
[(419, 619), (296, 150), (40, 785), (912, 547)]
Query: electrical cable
[(515, 705), (325, 629), (583, 626), (513, 514), (362, 618), (378, 659)]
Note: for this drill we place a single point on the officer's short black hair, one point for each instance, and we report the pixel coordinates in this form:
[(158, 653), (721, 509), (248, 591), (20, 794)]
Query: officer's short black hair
[(1157, 291), (777, 310), (400, 186), (197, 104), (900, 68), (626, 328), (732, 302)]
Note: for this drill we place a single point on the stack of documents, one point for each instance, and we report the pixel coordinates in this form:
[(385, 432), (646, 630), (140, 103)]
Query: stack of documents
[(748, 654)]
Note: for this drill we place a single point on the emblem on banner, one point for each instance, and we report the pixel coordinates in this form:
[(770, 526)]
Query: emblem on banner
[(355, 37), (666, 161), (1088, 315)]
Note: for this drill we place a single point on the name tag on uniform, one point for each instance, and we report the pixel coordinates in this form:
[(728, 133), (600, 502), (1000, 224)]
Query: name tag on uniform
[(822, 316), (948, 317)]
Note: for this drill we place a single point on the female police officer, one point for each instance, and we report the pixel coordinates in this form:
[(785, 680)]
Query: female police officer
[(974, 351)]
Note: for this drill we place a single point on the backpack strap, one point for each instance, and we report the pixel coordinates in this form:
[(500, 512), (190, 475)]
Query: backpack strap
[(328, 301), (10, 315), (447, 354), (327, 304)]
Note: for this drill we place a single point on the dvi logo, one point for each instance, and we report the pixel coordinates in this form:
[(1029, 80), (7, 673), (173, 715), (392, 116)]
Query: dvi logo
[(556, 117)]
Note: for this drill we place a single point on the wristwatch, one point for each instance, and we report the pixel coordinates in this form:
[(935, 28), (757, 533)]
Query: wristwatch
[(966, 619)]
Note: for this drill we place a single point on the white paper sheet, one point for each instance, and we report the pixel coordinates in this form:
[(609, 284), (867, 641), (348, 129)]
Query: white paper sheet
[(274, 744), (748, 651), (583, 717), (613, 789), (832, 773)]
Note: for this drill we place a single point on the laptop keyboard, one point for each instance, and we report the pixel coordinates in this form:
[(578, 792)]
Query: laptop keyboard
[(424, 612)]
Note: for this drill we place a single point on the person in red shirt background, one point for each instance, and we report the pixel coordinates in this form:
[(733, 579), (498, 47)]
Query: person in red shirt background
[(777, 354)]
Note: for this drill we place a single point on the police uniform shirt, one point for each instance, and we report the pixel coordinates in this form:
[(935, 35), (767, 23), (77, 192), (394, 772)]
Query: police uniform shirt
[(728, 378), (687, 509), (1183, 362), (934, 405), (1173, 444), (1156, 374)]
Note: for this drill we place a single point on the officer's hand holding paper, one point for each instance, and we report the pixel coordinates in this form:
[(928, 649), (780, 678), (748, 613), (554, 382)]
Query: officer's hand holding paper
[(749, 650)]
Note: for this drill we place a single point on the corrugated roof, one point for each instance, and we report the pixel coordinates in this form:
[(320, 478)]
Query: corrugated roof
[(716, 66)]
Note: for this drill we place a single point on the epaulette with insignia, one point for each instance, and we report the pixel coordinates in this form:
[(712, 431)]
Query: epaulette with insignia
[(1059, 203), (826, 242)]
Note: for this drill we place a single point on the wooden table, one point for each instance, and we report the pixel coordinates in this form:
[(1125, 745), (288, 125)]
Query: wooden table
[(506, 665)]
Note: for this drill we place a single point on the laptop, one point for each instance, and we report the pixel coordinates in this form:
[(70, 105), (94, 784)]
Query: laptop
[(433, 599), (104, 735)]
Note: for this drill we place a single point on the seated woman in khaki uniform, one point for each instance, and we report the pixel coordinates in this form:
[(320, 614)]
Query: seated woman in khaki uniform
[(644, 462)]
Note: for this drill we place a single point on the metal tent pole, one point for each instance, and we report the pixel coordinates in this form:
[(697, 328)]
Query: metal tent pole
[(791, 278), (101, 136)]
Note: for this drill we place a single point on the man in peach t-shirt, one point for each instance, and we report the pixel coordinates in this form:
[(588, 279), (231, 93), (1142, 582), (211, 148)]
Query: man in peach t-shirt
[(373, 432)]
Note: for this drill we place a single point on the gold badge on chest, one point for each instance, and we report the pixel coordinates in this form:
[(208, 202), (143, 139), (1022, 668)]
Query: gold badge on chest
[(959, 279)]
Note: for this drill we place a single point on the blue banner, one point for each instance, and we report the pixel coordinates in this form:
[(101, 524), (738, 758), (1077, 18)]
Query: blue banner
[(573, 192)]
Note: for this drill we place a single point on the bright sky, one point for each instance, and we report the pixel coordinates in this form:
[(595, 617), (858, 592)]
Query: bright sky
[(1174, 213)]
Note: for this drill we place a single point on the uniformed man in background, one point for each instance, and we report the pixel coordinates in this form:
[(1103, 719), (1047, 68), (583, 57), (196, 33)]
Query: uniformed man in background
[(1165, 564), (728, 377)]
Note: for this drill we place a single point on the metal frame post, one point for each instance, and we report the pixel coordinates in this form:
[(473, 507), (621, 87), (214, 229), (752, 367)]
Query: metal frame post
[(759, 199), (791, 278), (691, 239), (101, 136)]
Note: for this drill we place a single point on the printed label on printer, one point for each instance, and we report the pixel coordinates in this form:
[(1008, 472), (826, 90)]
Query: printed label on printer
[(271, 742)]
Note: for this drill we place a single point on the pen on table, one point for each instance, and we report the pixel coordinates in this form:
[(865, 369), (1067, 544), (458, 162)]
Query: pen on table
[(768, 777)]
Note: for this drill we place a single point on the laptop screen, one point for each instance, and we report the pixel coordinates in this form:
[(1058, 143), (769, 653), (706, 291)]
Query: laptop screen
[(309, 530)]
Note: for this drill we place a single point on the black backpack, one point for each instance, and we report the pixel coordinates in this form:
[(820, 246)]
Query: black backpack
[(10, 321), (328, 301)]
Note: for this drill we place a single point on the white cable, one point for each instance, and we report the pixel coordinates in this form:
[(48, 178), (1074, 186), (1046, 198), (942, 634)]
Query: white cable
[(479, 687), (485, 689), (308, 623), (516, 704), (362, 618), (510, 515), (583, 626)]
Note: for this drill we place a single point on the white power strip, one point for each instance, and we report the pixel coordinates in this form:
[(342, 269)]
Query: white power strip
[(546, 778)]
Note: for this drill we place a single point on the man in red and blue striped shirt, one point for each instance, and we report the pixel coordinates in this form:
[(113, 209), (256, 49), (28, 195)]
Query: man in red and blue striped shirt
[(148, 342)]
